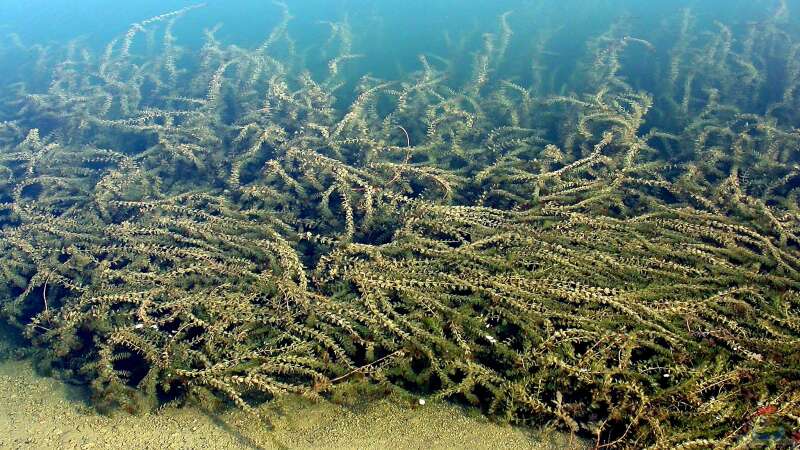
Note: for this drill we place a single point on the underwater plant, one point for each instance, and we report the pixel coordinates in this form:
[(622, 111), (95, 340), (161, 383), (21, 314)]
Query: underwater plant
[(616, 253)]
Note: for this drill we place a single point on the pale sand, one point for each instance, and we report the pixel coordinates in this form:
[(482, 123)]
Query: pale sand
[(43, 413)]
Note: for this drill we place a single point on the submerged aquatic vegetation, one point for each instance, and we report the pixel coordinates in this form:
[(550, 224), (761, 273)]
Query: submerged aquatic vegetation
[(618, 254)]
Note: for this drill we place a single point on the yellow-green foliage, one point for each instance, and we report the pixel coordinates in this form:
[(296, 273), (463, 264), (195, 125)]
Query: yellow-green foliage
[(622, 263)]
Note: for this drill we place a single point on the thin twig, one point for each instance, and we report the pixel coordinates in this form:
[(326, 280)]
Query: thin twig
[(44, 291), (358, 369), (407, 158), (408, 139)]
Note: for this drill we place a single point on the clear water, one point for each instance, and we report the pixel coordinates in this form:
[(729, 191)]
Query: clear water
[(714, 150)]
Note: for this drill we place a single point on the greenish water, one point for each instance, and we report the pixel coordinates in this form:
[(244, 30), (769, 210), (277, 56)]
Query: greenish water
[(580, 214)]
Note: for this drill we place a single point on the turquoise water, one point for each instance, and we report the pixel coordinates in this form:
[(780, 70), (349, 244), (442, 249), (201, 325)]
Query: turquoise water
[(391, 34), (582, 213), (389, 37)]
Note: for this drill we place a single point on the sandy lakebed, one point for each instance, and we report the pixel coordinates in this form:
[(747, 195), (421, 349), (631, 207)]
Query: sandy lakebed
[(44, 413)]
